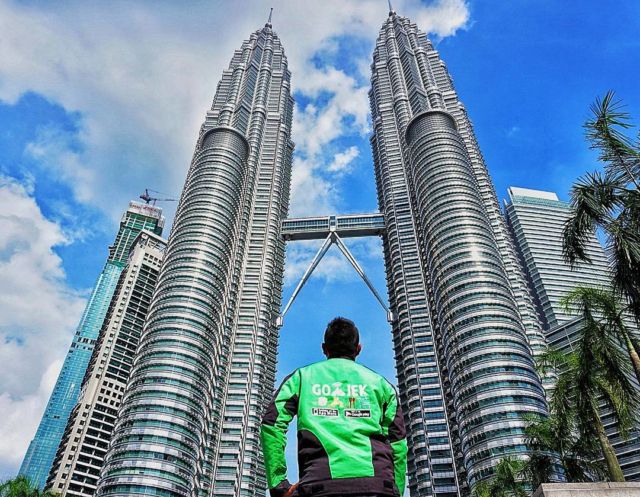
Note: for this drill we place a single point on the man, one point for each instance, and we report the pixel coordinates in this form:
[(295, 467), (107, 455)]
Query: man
[(351, 435)]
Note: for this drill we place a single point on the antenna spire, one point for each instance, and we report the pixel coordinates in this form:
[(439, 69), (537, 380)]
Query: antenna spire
[(269, 20), (391, 11)]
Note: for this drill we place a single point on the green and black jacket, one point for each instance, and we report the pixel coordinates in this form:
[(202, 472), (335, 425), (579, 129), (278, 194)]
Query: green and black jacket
[(351, 435)]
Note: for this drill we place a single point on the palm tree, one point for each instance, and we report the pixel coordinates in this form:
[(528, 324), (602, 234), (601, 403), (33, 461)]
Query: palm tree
[(554, 440), (20, 486), (610, 201), (602, 305), (596, 372), (507, 481)]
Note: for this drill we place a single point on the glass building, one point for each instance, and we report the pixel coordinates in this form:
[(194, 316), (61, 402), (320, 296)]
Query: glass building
[(42, 449), (80, 456), (536, 220), (190, 416), (466, 327)]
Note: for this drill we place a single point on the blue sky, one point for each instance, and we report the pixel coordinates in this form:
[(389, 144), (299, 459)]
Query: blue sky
[(98, 103)]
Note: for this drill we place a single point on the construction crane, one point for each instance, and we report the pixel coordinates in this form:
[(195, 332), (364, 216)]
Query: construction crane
[(146, 196)]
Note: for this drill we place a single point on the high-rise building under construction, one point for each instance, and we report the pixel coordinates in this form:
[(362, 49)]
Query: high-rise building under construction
[(465, 328), (86, 438), (42, 449)]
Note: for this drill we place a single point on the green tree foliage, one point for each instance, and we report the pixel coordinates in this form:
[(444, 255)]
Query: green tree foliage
[(596, 372), (508, 481), (601, 309), (22, 487), (610, 200), (556, 441)]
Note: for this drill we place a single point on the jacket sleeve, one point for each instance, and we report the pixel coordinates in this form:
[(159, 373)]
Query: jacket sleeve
[(393, 425), (273, 433)]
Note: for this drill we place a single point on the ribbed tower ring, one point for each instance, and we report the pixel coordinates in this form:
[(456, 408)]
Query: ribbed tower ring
[(447, 207), (173, 378)]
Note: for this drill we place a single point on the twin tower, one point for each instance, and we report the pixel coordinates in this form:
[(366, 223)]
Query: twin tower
[(464, 327)]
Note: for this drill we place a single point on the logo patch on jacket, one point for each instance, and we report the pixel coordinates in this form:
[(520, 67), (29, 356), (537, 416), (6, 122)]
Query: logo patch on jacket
[(318, 411), (334, 397), (357, 413), (336, 390)]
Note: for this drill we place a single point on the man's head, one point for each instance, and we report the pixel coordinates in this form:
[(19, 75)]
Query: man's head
[(341, 339)]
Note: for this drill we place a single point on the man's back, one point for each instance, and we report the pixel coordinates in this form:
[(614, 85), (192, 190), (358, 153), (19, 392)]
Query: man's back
[(351, 437)]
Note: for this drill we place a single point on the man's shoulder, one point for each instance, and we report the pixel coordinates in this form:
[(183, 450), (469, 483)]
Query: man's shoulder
[(311, 367)]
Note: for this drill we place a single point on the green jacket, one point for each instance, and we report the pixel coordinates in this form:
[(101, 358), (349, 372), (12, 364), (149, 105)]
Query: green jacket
[(351, 435)]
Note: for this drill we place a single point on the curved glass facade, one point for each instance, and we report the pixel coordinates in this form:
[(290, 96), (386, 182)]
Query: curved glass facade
[(171, 385), (466, 322), (206, 363), (479, 326)]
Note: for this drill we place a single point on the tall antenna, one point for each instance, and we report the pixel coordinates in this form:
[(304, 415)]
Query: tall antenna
[(270, 14), (391, 11)]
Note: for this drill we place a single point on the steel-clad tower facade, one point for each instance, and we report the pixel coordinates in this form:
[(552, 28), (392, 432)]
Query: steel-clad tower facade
[(206, 363), (466, 327)]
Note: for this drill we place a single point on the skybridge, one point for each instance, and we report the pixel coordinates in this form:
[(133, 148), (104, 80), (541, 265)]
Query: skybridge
[(319, 228), (332, 229)]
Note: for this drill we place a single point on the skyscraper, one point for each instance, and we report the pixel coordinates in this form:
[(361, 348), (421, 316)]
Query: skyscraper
[(466, 325), (536, 219), (42, 449), (189, 420), (86, 438)]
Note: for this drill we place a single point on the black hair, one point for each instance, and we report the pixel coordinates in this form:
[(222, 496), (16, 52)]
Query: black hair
[(341, 338)]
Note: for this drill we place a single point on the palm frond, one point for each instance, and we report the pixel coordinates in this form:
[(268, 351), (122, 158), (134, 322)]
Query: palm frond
[(539, 468), (618, 388), (481, 489), (624, 247), (604, 131), (594, 200), (551, 361), (562, 402)]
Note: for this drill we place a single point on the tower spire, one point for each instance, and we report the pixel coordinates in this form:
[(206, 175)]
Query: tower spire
[(269, 20), (391, 11)]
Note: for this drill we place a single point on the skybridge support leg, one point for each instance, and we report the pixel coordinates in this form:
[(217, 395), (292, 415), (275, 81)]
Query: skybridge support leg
[(314, 263), (331, 239), (344, 249)]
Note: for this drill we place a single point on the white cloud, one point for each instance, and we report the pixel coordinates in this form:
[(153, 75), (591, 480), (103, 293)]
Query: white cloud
[(54, 153), (142, 75), (315, 195), (38, 313), (342, 160), (442, 17)]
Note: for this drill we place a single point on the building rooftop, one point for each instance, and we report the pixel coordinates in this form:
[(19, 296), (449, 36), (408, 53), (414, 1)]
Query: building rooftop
[(515, 191)]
